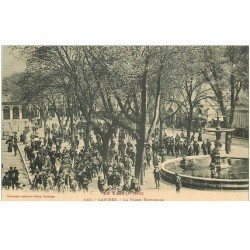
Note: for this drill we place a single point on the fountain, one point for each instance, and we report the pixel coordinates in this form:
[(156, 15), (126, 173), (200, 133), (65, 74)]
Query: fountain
[(215, 171), (219, 167)]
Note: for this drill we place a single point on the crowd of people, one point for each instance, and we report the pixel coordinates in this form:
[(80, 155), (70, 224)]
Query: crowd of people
[(57, 163), (11, 179), (12, 144), (240, 131), (178, 146)]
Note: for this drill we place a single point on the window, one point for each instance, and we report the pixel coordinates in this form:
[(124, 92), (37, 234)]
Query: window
[(25, 113), (15, 112), (6, 112)]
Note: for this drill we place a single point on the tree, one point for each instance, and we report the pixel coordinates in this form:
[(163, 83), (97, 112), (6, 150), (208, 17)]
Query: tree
[(189, 88), (225, 69), (123, 75)]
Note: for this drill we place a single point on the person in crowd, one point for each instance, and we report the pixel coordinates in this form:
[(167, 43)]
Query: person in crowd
[(200, 137), (196, 148), (134, 185), (126, 187), (157, 177), (9, 141), (102, 185), (14, 178), (208, 146), (15, 147), (8, 178), (204, 147), (192, 137), (85, 183), (190, 150)]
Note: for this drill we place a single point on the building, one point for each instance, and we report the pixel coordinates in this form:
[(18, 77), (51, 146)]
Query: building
[(12, 110), (15, 114)]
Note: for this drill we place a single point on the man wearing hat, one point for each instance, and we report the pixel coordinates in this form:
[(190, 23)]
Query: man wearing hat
[(134, 185), (85, 184), (14, 178), (8, 177), (126, 187), (101, 183), (157, 176)]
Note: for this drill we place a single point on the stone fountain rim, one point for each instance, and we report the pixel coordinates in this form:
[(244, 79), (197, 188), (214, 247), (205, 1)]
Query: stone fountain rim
[(162, 165)]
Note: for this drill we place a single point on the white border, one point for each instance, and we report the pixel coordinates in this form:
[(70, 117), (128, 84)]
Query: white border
[(71, 225)]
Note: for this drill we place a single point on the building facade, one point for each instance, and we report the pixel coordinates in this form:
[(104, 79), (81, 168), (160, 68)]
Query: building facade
[(12, 110)]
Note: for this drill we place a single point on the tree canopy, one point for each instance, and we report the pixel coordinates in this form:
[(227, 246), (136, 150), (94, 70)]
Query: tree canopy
[(110, 87)]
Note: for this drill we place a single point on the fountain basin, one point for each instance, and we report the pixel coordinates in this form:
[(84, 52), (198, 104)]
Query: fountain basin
[(197, 175)]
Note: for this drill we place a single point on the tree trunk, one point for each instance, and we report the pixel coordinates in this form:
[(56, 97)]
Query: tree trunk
[(139, 161), (228, 135), (189, 126), (66, 123), (87, 136), (231, 118), (157, 106), (45, 122), (161, 121), (60, 123), (105, 148), (72, 125), (229, 121)]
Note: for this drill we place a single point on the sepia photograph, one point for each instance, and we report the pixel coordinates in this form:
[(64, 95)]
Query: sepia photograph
[(125, 123)]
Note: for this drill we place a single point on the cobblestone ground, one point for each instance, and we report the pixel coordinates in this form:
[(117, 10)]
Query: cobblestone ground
[(239, 148)]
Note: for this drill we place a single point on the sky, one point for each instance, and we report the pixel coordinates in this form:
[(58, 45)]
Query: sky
[(10, 62)]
